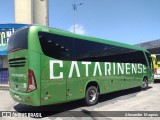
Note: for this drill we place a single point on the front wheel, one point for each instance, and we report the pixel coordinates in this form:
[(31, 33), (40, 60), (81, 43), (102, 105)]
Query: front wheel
[(92, 95), (145, 84)]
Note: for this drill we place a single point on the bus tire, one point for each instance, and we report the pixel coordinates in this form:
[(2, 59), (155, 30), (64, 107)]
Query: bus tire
[(145, 84), (91, 96)]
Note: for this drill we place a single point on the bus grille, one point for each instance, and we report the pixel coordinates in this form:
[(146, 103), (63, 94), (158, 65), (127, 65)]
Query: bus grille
[(17, 62)]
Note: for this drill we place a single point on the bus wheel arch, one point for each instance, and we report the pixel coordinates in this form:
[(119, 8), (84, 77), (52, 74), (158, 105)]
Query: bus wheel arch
[(92, 92), (144, 85)]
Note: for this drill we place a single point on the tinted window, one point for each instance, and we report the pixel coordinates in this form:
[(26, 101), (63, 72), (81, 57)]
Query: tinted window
[(124, 55), (93, 51), (56, 46), (19, 40), (90, 51), (129, 56), (149, 58), (84, 50), (67, 48)]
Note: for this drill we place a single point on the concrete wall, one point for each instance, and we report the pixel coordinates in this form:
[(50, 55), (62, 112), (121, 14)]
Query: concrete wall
[(31, 11), (40, 12), (5, 62), (23, 11)]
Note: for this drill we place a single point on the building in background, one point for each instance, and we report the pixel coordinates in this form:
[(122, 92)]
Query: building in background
[(25, 12), (31, 11), (6, 30)]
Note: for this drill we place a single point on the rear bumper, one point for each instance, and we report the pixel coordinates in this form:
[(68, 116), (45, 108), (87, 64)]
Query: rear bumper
[(32, 98)]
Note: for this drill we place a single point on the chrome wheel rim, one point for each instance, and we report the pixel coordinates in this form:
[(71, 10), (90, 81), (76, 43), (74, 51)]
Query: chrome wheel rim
[(92, 95), (144, 85)]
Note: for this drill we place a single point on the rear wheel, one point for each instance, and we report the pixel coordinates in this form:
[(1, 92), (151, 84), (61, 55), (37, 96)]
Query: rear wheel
[(92, 95), (145, 84)]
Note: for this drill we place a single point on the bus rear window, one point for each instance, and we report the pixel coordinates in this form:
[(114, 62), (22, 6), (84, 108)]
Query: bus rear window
[(19, 40)]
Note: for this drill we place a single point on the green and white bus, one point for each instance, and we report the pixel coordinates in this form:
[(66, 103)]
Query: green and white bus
[(49, 66)]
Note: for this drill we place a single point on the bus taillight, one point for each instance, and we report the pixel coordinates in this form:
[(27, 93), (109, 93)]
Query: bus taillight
[(31, 81)]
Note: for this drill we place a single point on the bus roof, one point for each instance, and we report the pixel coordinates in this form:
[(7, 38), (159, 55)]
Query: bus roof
[(89, 38)]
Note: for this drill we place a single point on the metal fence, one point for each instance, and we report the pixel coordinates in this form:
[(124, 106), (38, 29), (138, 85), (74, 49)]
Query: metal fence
[(3, 75)]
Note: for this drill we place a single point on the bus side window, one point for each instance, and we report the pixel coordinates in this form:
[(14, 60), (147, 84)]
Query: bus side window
[(55, 46)]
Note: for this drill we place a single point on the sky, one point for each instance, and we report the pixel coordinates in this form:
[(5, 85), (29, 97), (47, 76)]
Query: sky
[(127, 21)]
